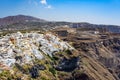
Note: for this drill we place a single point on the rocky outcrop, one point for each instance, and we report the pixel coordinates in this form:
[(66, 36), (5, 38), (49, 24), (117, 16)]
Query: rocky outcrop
[(68, 64), (24, 48), (34, 70)]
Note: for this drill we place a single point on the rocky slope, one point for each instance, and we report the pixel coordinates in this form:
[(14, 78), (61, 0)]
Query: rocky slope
[(106, 52), (30, 52), (99, 54)]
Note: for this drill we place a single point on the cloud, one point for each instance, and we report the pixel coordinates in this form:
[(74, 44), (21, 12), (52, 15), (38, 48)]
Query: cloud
[(49, 7), (44, 2)]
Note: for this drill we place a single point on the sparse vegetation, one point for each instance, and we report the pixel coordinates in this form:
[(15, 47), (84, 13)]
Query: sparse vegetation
[(53, 71)]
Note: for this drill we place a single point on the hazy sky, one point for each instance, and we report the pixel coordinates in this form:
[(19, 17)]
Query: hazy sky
[(93, 11)]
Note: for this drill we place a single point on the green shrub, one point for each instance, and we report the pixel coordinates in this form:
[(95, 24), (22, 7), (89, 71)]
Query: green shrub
[(68, 52), (52, 70)]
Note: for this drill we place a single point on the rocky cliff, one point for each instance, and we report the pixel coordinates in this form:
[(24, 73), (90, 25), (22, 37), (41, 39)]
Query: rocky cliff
[(99, 54)]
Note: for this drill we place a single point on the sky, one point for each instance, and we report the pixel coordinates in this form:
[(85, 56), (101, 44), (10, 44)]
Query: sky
[(92, 11)]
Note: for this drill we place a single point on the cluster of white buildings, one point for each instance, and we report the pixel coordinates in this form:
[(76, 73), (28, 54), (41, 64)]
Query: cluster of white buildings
[(22, 48)]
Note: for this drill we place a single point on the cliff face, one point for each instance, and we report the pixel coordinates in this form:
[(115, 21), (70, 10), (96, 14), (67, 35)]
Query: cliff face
[(104, 52), (99, 55)]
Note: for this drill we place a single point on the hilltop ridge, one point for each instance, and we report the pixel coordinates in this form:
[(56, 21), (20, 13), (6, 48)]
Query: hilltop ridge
[(23, 22)]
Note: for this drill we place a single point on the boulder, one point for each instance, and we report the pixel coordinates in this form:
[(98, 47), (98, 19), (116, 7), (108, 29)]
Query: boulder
[(34, 72)]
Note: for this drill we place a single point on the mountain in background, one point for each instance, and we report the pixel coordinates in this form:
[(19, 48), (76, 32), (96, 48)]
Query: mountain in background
[(23, 22), (19, 18)]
